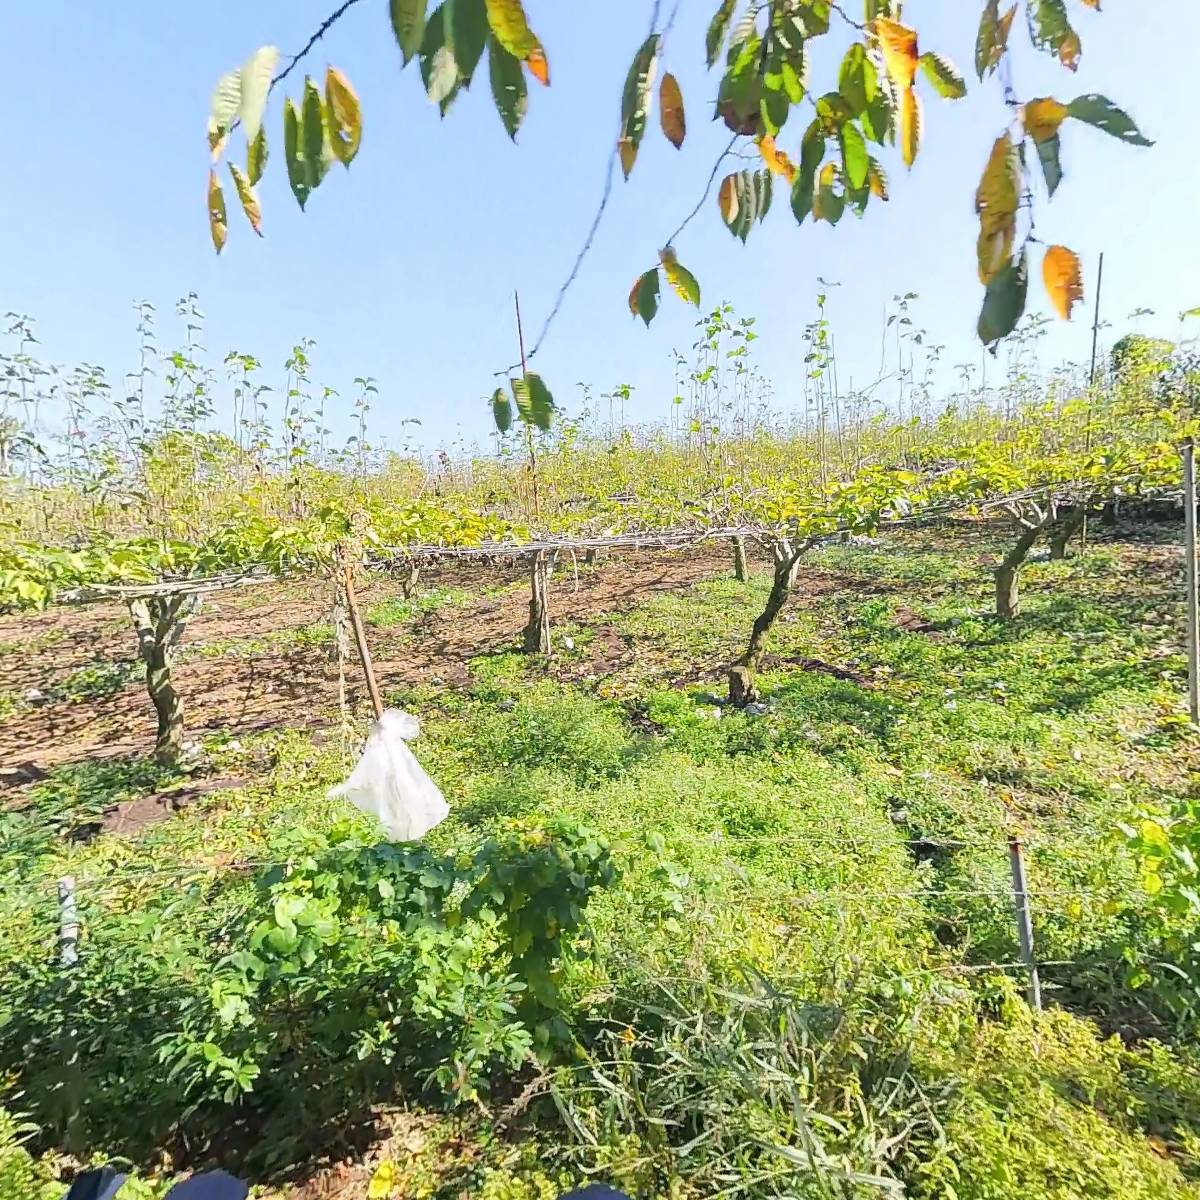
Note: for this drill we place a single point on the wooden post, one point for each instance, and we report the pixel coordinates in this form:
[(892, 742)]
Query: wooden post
[(1016, 859), (537, 631), (1193, 613), (68, 922), (360, 636)]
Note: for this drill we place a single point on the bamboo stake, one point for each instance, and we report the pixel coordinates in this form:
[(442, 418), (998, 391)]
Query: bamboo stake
[(360, 636), (1016, 859)]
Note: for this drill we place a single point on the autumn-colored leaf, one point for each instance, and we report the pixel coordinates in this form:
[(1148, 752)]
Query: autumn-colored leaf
[(1043, 117), (345, 116), (1069, 51), (670, 110), (996, 201), (218, 224), (679, 277), (643, 298), (628, 155), (899, 45), (511, 27), (248, 198), (828, 204), (776, 160), (539, 66), (1063, 277), (910, 125), (877, 181), (727, 200)]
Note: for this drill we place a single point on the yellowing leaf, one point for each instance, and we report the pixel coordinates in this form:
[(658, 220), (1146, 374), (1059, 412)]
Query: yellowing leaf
[(994, 250), (628, 152), (511, 27), (1063, 278), (828, 205), (1069, 51), (223, 109), (727, 200), (1043, 117), (899, 45), (246, 194), (384, 1180), (345, 116), (217, 222), (539, 66), (910, 125), (877, 181), (996, 201), (998, 193), (993, 37), (776, 160), (679, 277), (670, 110)]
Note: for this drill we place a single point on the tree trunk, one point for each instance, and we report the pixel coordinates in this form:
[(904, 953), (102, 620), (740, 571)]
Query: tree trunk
[(1062, 533), (740, 572), (786, 557), (1108, 514), (1008, 594), (160, 622), (408, 584), (537, 631)]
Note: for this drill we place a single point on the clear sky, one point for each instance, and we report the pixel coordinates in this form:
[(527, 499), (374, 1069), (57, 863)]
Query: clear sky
[(403, 268)]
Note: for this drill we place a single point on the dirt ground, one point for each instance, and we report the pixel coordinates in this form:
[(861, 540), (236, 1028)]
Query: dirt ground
[(294, 684)]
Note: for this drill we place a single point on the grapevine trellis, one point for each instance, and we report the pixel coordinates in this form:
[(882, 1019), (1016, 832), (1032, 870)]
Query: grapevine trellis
[(160, 610)]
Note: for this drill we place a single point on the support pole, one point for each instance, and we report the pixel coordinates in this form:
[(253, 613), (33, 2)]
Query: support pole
[(1083, 532), (360, 636), (1193, 603), (1016, 859)]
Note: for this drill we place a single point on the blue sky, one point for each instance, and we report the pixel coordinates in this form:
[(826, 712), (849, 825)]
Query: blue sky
[(403, 268)]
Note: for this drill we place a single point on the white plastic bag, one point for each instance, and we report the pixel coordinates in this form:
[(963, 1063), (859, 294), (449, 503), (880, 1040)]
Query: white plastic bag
[(390, 784)]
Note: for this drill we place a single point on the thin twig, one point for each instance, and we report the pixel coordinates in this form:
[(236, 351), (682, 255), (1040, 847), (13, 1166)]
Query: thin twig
[(707, 188)]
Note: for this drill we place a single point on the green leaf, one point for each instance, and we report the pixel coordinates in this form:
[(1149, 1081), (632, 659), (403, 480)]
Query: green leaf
[(293, 153), (643, 299), (992, 40), (944, 76), (1104, 114), (256, 155), (345, 116), (439, 71), (716, 30), (635, 101), (467, 36), (540, 401), (828, 204), (855, 159), (508, 87), (812, 16), (255, 84), (1191, 312), (877, 119), (858, 80), (812, 150), (1004, 301), (312, 133), (833, 112), (1048, 23), (511, 27), (1051, 167), (408, 24), (502, 412)]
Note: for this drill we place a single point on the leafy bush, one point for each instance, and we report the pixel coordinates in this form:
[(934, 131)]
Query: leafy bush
[(356, 970), (22, 1177)]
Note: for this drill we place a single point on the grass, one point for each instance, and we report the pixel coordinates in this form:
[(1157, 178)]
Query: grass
[(786, 992)]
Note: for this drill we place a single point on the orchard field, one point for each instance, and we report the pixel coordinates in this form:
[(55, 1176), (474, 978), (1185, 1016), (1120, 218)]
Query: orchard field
[(736, 719)]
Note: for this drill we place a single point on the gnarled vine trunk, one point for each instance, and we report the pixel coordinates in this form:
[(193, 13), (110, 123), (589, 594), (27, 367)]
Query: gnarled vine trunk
[(160, 622), (787, 556), (1008, 588), (537, 631), (1065, 530), (740, 572)]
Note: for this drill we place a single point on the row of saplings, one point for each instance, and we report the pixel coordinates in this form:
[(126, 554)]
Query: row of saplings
[(160, 620)]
